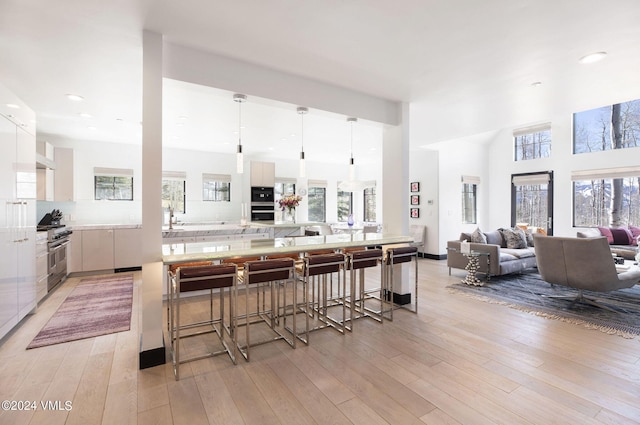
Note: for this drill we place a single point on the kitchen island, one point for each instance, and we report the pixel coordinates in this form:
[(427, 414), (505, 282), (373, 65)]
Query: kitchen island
[(219, 250)]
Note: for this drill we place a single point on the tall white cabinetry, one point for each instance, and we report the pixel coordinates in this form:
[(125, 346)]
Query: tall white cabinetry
[(17, 211)]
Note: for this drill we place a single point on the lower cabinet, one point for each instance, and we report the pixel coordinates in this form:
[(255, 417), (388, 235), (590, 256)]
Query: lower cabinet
[(127, 248), (97, 250), (105, 249)]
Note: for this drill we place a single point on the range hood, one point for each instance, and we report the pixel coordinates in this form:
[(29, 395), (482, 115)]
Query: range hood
[(42, 162)]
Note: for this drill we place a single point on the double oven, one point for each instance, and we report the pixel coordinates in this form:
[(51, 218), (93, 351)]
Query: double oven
[(263, 205)]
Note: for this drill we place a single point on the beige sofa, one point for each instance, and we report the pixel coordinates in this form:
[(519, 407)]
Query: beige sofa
[(502, 260), (626, 251)]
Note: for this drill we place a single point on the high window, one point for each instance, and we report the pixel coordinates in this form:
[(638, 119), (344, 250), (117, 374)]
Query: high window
[(317, 201), (469, 199), (370, 204), (174, 185), (532, 142), (606, 128), (113, 184), (216, 187), (607, 197)]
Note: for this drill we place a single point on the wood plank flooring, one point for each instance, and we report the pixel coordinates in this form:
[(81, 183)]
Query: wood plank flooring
[(459, 361)]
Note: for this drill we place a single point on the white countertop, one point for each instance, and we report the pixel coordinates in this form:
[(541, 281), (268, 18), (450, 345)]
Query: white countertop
[(103, 226), (202, 251)]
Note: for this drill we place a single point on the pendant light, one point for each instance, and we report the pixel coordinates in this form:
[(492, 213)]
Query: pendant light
[(240, 98), (352, 165), (302, 111), (353, 185)]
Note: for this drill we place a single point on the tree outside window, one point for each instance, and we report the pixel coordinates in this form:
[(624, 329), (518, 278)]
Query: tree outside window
[(370, 204), (317, 202), (532, 143), (345, 204), (469, 203)]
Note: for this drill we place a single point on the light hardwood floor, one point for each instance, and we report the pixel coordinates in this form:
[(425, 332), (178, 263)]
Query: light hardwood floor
[(459, 360)]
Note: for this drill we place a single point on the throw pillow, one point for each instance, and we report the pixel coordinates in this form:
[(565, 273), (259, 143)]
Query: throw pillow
[(495, 238), (529, 236), (605, 231), (514, 239), (635, 232), (478, 237), (621, 236)]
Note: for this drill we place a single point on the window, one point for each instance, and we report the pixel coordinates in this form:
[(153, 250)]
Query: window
[(606, 197), (345, 203), (174, 187), (113, 184), (532, 142), (216, 187), (370, 204), (532, 200), (317, 201), (592, 130), (469, 196)]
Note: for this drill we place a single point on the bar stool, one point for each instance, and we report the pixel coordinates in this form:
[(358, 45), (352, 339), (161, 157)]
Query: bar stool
[(316, 271), (360, 259), (197, 278), (171, 272), (399, 255), (270, 273)]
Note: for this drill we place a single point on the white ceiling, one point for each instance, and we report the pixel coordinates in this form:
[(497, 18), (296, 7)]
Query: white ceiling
[(465, 66)]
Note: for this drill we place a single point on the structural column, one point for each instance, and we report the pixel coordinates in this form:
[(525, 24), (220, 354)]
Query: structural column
[(395, 185), (152, 351)]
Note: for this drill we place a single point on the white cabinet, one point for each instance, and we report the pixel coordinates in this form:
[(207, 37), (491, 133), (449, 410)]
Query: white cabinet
[(263, 174), (45, 172), (74, 252), (17, 212), (127, 248), (63, 181), (97, 250), (42, 265)]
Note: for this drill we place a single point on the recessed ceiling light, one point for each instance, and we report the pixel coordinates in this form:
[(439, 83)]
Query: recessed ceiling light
[(183, 117), (75, 97), (593, 57), (85, 115), (119, 119), (13, 106), (536, 84)]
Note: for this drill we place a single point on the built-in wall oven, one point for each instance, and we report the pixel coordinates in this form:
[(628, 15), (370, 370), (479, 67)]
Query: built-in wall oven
[(262, 204)]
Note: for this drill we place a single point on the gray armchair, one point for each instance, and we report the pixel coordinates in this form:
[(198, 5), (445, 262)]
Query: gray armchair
[(583, 264)]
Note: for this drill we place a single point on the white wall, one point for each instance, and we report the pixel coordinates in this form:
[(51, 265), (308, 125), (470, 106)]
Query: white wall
[(87, 155), (562, 162), (424, 169)]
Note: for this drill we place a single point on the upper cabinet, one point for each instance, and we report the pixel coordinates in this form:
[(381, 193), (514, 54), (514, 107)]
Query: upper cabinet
[(263, 174), (45, 171), (63, 181)]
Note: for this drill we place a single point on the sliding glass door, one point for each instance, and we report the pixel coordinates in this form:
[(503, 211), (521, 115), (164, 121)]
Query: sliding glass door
[(532, 200)]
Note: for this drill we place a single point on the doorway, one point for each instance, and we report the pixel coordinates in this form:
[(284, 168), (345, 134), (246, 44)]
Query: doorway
[(532, 200)]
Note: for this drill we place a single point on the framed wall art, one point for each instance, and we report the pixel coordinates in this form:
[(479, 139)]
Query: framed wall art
[(415, 186), (415, 199), (415, 212)]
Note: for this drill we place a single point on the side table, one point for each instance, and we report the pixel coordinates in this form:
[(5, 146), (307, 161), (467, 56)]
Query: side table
[(473, 266)]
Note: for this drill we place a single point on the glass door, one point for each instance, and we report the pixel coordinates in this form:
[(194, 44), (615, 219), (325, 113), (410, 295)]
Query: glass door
[(532, 200)]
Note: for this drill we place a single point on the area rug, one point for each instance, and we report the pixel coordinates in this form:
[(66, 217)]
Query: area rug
[(97, 306), (528, 292)]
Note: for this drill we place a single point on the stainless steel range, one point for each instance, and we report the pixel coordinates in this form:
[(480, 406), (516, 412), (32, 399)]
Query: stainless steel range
[(57, 242)]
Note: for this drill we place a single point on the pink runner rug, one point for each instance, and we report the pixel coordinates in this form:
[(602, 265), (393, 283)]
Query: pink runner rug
[(97, 306)]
